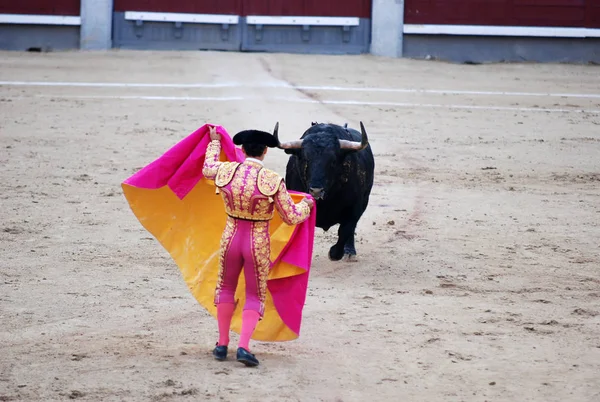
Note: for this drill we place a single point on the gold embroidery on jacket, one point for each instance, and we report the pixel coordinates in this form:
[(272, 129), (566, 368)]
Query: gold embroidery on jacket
[(211, 160), (263, 208), (268, 182), (290, 212), (225, 173), (236, 188), (249, 187), (260, 209), (226, 194)]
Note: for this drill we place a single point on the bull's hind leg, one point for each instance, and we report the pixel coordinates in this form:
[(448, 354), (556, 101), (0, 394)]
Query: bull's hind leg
[(345, 237)]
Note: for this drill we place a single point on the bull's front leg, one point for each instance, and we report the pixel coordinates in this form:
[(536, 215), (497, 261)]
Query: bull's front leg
[(349, 248), (345, 237)]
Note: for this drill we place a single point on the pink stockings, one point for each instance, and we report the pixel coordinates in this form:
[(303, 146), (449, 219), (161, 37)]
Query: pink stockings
[(224, 314), (249, 320)]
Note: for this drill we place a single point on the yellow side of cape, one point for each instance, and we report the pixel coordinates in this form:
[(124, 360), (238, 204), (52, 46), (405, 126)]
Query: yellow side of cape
[(190, 230)]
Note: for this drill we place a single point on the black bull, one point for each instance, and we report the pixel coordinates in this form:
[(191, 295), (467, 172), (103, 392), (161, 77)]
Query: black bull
[(335, 165)]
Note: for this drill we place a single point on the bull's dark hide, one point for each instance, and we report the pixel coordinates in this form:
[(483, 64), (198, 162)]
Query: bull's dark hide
[(339, 178)]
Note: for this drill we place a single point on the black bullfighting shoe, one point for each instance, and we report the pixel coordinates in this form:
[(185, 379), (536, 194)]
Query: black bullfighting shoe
[(243, 356), (220, 352)]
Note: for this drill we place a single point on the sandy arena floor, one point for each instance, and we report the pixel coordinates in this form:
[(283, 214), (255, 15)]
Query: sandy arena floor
[(479, 255)]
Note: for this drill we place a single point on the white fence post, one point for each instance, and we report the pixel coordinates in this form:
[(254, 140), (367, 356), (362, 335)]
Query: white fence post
[(387, 27), (96, 24)]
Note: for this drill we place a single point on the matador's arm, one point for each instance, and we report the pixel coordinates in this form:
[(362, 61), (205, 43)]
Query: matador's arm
[(290, 212), (211, 161)]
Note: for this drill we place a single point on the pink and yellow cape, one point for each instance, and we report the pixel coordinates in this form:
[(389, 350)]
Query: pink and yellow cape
[(178, 206)]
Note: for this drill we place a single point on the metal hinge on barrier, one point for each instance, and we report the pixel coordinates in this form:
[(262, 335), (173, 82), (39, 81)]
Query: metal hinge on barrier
[(258, 33), (346, 33), (178, 30), (306, 33), (139, 28), (225, 32)]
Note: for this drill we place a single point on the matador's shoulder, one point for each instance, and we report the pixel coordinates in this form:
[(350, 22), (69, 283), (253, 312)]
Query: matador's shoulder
[(225, 173), (268, 182)]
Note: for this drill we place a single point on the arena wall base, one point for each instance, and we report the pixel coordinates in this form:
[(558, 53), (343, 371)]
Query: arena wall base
[(491, 49), (45, 38), (308, 39), (155, 35)]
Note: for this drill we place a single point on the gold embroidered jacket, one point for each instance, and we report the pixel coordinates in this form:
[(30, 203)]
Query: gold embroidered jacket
[(251, 191)]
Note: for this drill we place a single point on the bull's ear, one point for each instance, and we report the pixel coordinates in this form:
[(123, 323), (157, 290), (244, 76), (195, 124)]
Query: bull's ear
[(292, 151)]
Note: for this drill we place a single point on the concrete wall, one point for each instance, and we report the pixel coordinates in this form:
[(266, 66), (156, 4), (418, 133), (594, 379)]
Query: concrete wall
[(43, 38), (96, 24), (488, 49), (315, 40), (387, 27), (169, 36)]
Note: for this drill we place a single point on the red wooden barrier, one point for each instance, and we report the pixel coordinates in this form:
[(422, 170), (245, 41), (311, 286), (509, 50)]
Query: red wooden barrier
[(42, 7), (551, 13), (182, 6), (593, 14), (329, 8), (321, 8)]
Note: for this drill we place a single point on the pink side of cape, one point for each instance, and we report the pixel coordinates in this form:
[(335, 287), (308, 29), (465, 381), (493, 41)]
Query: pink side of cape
[(289, 294), (180, 168)]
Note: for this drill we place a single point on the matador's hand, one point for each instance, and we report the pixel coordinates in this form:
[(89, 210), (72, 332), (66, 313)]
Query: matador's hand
[(212, 130), (310, 202)]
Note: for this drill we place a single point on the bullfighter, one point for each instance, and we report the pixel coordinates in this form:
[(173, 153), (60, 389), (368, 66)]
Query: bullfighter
[(250, 193)]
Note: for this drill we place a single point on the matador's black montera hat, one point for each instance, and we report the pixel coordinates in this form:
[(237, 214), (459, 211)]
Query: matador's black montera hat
[(256, 137)]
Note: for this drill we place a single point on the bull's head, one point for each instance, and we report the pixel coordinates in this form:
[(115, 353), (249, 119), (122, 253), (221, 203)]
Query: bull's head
[(321, 157)]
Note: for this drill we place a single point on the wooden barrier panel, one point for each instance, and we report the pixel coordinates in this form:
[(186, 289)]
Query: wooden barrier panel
[(330, 8), (41, 7), (40, 25), (304, 26), (535, 13), (181, 6), (181, 25), (592, 14), (307, 26)]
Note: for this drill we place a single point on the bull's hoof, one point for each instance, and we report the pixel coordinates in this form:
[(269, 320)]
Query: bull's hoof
[(349, 250), (350, 257), (335, 254)]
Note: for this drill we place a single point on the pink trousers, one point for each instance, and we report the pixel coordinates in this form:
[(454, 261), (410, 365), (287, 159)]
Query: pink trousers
[(244, 245)]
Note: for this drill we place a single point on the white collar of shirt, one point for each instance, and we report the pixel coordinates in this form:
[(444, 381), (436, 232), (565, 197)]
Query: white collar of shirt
[(255, 161)]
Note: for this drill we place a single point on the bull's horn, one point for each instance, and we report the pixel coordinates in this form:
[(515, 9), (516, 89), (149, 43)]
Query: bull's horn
[(354, 145), (285, 145)]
